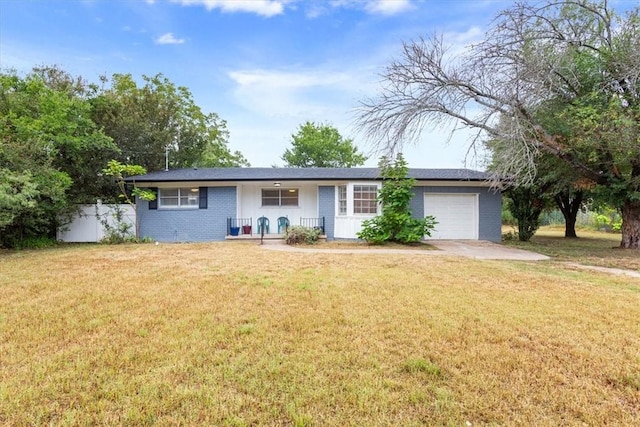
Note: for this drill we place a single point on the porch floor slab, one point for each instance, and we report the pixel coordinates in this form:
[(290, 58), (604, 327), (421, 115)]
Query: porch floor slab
[(270, 236)]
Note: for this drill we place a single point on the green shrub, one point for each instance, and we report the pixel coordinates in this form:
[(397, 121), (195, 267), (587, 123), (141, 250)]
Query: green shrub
[(526, 204), (402, 228), (116, 240), (298, 234), (607, 219), (396, 224)]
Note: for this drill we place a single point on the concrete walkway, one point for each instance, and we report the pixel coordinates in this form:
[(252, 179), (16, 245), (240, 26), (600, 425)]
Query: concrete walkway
[(616, 271), (467, 248)]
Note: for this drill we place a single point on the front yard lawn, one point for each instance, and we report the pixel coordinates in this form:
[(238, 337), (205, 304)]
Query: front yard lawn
[(590, 248), (229, 334)]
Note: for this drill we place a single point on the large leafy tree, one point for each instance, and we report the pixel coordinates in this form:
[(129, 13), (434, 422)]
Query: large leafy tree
[(555, 183), (565, 184), (579, 54), (159, 120), (51, 155), (322, 146)]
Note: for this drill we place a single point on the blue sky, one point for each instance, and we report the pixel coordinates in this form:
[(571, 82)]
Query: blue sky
[(265, 66)]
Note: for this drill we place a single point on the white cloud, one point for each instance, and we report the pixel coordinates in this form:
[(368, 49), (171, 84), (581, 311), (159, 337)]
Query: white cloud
[(315, 10), (268, 105), (375, 7), (388, 7), (301, 95), (474, 34), (168, 38), (283, 79), (267, 8)]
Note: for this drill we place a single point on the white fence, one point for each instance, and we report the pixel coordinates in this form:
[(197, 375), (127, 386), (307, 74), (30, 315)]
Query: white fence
[(87, 224)]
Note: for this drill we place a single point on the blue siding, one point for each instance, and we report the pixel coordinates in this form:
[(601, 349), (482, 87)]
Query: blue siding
[(417, 202), (190, 225), (194, 225), (327, 208), (490, 216), (489, 208)]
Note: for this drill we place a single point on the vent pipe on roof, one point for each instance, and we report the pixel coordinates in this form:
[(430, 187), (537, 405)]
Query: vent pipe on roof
[(166, 158)]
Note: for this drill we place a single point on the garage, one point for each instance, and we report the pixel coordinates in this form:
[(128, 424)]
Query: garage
[(456, 213)]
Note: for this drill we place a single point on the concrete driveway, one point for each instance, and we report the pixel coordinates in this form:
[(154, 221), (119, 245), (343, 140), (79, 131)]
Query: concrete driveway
[(480, 249), (467, 248)]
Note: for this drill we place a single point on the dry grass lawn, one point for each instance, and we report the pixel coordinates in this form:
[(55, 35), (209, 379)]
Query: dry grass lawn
[(590, 248), (233, 335)]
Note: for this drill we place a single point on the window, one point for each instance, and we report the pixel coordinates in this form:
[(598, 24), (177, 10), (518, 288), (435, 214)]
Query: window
[(178, 197), (342, 200), (365, 199), (280, 197)]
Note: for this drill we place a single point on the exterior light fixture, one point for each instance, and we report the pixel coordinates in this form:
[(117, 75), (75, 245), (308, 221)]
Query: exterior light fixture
[(276, 184)]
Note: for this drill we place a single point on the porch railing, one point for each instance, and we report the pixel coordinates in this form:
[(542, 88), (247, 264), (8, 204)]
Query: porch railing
[(317, 223), (238, 226)]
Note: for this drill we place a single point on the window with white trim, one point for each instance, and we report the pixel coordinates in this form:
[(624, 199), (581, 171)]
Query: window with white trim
[(184, 197), (365, 199), (280, 197), (342, 200)]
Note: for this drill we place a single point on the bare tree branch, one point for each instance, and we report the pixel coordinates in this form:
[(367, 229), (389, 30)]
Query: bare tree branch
[(531, 55)]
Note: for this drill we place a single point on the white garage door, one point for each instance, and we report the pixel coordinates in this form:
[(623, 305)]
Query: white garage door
[(457, 215)]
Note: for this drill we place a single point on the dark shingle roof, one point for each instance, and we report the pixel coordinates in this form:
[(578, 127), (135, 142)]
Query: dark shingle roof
[(303, 174)]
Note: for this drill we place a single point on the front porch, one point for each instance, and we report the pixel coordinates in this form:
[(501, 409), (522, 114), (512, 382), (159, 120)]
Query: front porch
[(268, 238), (245, 229)]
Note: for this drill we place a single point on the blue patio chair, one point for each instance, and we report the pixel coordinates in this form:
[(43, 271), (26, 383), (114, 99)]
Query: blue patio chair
[(263, 225), (283, 224)]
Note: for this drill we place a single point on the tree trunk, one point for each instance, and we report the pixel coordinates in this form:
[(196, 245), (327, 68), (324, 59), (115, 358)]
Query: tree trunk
[(570, 227), (630, 225), (569, 208)]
